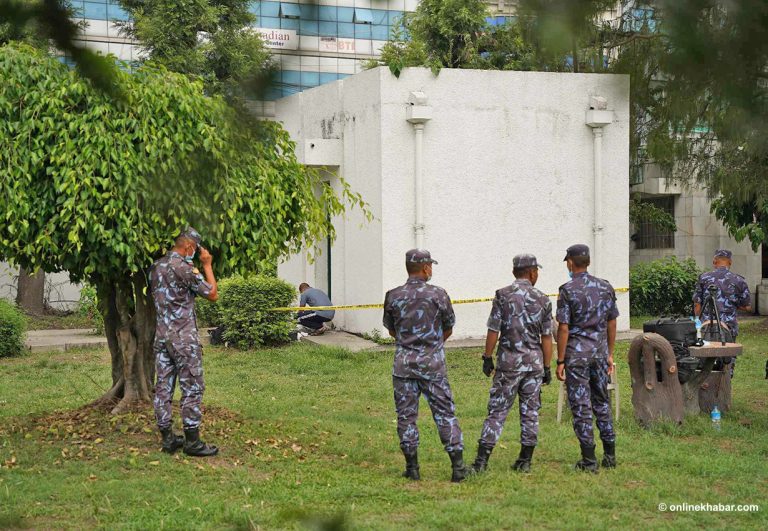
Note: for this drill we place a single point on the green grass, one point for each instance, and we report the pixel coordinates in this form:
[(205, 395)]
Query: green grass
[(308, 438), (59, 322)]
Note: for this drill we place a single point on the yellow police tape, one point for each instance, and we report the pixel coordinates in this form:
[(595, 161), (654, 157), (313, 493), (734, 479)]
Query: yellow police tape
[(370, 306)]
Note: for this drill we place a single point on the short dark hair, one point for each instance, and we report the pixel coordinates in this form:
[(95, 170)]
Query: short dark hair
[(520, 272), (414, 267), (580, 261), (303, 285)]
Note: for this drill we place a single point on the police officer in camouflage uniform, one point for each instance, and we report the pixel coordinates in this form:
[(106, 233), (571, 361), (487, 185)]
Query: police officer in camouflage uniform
[(420, 317), (175, 283), (732, 292), (521, 316), (587, 312)]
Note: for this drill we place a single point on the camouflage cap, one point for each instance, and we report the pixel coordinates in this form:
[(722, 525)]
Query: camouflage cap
[(191, 234), (419, 256), (576, 250), (523, 261), (723, 253)]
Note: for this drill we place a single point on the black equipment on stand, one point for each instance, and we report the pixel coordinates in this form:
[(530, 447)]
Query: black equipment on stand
[(710, 302)]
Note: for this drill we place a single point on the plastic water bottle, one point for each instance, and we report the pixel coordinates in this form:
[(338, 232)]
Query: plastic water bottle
[(697, 322), (716, 418)]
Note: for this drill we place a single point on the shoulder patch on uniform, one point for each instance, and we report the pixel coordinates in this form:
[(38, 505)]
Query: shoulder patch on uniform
[(196, 271)]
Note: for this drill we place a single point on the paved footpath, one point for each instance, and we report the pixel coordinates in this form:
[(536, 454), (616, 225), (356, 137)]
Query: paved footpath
[(62, 340)]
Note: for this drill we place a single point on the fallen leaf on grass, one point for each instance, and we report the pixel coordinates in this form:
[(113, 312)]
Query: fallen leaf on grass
[(154, 463)]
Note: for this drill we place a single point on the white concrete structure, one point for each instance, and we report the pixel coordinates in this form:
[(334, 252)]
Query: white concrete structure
[(60, 293), (507, 167)]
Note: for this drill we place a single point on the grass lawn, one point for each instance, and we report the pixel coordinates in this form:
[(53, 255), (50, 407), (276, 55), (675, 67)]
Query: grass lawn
[(308, 438)]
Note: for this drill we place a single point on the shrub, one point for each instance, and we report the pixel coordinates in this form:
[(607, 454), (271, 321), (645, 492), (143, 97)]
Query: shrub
[(88, 307), (663, 287), (242, 309), (12, 328)]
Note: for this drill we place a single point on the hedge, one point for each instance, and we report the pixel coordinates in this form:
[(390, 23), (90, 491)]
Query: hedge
[(243, 311), (663, 287), (13, 325)]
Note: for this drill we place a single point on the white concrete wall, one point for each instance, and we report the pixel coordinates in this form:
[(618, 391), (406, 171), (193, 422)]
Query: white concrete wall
[(508, 169), (59, 291)]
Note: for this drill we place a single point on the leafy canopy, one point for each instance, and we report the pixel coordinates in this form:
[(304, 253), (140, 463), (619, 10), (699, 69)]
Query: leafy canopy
[(210, 39), (97, 187)]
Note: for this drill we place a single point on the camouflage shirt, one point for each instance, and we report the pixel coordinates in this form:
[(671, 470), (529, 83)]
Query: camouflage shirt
[(521, 314), (175, 284), (586, 304), (732, 293), (418, 313)]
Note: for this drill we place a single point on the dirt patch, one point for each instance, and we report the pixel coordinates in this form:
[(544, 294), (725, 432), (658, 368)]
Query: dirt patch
[(92, 433)]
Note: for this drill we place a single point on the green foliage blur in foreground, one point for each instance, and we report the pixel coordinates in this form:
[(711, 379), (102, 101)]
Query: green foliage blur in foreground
[(308, 436)]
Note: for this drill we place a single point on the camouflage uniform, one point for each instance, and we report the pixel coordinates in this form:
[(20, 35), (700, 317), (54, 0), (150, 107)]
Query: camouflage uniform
[(732, 293), (521, 314), (178, 353), (418, 313), (586, 304)]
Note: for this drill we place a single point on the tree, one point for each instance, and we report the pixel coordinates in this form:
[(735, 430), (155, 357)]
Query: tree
[(699, 98), (98, 187), (210, 39)]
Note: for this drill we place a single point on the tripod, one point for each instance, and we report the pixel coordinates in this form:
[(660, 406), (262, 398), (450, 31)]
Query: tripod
[(710, 302)]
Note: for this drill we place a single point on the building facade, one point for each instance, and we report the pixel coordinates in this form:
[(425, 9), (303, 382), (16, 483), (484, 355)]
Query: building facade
[(474, 165)]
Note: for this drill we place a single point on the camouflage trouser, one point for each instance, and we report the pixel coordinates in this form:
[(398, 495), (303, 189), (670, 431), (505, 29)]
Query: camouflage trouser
[(185, 362), (587, 383), (440, 400), (505, 386)]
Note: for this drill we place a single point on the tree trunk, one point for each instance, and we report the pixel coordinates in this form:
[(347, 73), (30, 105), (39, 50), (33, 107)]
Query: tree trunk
[(129, 323), (30, 292)]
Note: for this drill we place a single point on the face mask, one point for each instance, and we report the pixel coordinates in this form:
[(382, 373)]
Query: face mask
[(570, 274), (188, 259)]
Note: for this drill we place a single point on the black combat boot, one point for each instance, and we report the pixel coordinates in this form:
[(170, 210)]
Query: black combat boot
[(609, 454), (457, 464), (171, 442), (523, 463), (195, 447), (588, 462), (481, 461), (411, 466)]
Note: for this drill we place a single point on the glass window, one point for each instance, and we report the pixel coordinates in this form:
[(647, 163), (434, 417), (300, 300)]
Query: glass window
[(362, 31), (308, 11), (117, 13), (394, 16), (269, 22), (289, 10), (345, 14), (292, 77), (270, 9), (310, 79), (326, 77), (96, 11), (289, 23), (380, 33), (308, 27), (346, 30), (363, 16), (379, 16), (327, 13), (327, 29)]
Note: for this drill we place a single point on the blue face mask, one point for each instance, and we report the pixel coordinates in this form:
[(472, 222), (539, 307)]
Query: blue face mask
[(188, 259), (570, 274)]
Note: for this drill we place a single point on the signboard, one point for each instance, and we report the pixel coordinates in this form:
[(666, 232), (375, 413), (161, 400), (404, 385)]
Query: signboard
[(283, 39), (337, 45)]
